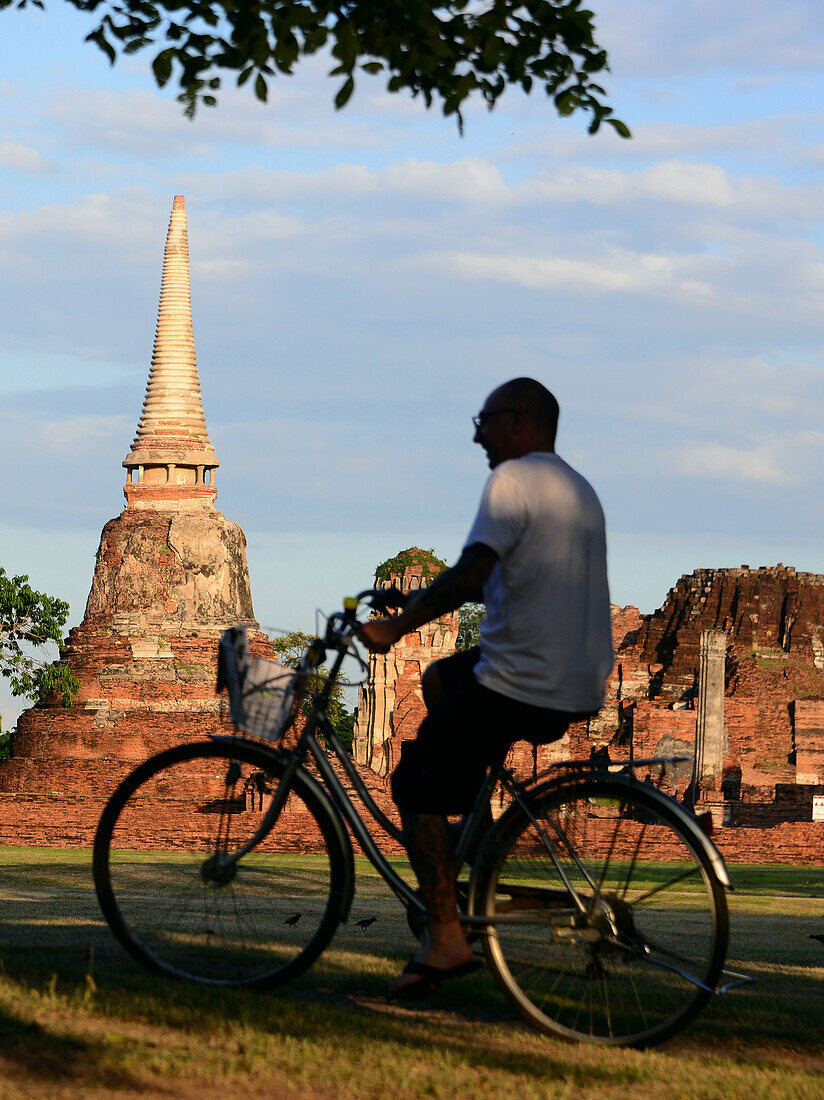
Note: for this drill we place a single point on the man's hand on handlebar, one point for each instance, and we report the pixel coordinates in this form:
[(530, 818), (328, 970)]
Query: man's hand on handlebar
[(379, 635)]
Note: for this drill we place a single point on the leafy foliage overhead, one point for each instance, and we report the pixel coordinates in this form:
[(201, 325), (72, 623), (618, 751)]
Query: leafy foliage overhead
[(448, 50), (31, 619)]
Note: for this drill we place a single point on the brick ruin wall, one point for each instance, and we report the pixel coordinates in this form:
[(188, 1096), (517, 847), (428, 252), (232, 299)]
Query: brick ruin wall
[(67, 762), (773, 752)]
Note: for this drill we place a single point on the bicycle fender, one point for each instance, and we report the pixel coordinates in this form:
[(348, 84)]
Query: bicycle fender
[(690, 822), (714, 856), (687, 819)]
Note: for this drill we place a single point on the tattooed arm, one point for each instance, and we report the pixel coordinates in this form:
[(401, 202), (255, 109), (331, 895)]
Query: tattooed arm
[(456, 586)]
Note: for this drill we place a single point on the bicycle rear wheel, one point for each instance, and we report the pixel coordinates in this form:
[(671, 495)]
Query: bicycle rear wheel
[(639, 956), (175, 896)]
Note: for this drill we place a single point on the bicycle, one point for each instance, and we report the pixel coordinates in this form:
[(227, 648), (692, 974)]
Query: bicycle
[(597, 899)]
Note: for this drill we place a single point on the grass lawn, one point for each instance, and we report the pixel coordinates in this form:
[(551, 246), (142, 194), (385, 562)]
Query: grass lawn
[(78, 1018)]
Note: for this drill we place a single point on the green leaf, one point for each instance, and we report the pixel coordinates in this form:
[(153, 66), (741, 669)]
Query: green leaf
[(162, 66), (596, 62), (189, 100), (100, 40), (345, 92), (347, 47), (620, 127), (261, 91), (566, 102), (136, 44)]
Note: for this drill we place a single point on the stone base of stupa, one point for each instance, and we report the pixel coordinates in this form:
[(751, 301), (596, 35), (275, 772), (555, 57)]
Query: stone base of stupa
[(147, 677)]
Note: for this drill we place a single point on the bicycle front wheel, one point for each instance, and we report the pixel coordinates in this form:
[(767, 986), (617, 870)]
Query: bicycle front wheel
[(175, 893), (610, 925)]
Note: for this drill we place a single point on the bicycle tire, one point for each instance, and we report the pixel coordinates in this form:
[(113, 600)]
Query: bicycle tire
[(646, 954), (177, 910)]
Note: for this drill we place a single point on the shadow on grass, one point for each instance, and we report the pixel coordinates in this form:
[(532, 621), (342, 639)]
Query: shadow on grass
[(38, 1053), (51, 926)]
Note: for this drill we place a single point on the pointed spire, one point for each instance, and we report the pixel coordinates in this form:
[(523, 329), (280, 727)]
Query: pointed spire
[(172, 462)]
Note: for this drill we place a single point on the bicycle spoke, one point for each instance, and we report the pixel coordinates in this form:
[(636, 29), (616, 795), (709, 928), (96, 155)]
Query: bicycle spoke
[(690, 872), (633, 860), (637, 962), (179, 905), (607, 1012), (639, 1002)]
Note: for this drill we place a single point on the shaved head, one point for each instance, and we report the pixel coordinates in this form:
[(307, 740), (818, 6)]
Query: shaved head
[(534, 400)]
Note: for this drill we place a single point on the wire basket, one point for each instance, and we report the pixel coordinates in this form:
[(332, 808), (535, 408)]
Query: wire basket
[(267, 698), (261, 693)]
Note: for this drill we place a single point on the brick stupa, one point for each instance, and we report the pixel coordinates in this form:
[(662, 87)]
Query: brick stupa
[(390, 703), (170, 575)]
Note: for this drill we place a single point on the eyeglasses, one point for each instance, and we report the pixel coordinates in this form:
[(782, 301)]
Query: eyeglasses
[(480, 420)]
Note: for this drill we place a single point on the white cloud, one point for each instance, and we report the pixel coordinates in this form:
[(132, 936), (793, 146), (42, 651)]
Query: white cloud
[(770, 136), (782, 458), (100, 219), (298, 115), (24, 158), (259, 187), (614, 271), (685, 184), (698, 36), (718, 460), (139, 123), (698, 186), (70, 433), (470, 179)]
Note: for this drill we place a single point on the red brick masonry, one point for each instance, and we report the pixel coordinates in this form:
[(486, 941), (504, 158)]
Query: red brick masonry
[(135, 701)]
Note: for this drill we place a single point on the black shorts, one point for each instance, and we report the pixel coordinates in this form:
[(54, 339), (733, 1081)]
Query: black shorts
[(442, 770)]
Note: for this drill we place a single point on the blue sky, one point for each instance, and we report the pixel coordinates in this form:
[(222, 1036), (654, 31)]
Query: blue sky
[(361, 279)]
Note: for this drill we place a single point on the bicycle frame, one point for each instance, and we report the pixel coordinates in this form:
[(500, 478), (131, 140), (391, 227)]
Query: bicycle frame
[(308, 745), (474, 823)]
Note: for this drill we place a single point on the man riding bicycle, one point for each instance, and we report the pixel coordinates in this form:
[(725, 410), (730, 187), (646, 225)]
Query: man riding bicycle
[(536, 557)]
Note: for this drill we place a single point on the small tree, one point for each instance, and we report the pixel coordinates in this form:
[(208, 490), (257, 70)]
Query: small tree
[(470, 617), (289, 649), (30, 619)]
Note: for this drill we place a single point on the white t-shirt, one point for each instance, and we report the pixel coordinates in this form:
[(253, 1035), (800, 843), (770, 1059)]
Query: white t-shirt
[(547, 636)]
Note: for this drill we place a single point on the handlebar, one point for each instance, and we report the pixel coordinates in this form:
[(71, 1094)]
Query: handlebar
[(341, 626), (383, 599)]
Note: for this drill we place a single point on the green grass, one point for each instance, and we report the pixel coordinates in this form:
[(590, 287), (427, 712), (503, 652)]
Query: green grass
[(78, 1018)]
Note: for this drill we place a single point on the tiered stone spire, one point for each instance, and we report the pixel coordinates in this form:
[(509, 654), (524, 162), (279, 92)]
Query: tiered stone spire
[(172, 463), (170, 575)]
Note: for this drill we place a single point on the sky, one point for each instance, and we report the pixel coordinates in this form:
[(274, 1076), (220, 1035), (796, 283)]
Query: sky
[(362, 279)]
